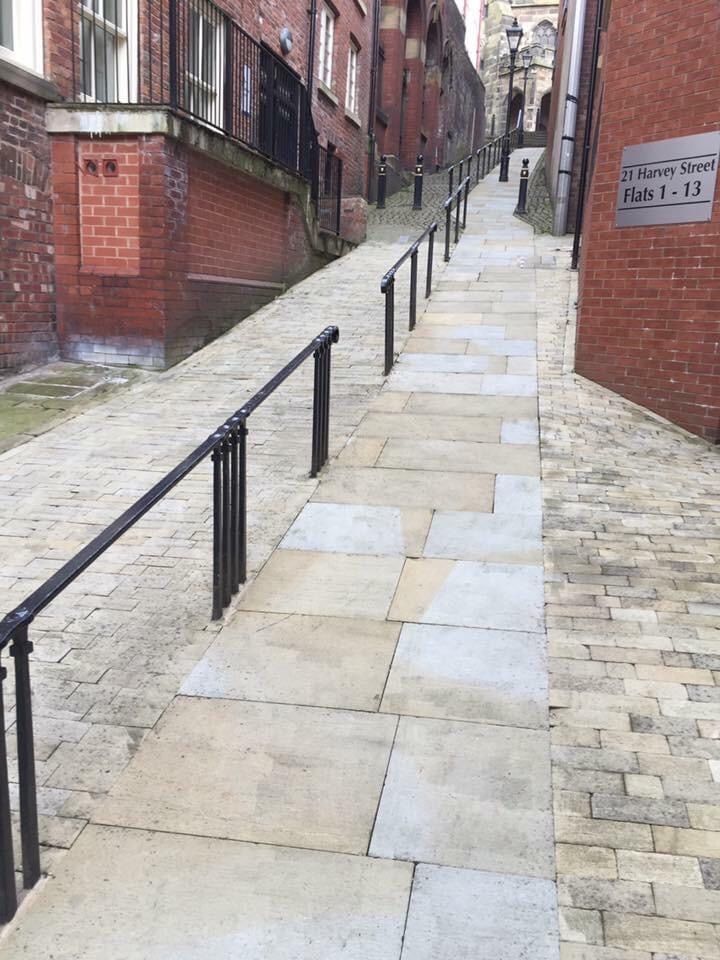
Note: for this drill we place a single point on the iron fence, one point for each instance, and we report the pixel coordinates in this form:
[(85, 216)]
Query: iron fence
[(459, 198), (387, 288), (192, 57), (329, 188), (227, 449)]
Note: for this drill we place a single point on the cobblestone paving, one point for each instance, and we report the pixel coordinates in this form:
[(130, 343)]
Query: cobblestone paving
[(632, 547), (539, 207)]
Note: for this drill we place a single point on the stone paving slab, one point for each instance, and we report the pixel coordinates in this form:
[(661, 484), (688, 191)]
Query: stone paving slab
[(138, 895), (286, 775), (410, 488), (447, 781), (354, 528), (316, 661)]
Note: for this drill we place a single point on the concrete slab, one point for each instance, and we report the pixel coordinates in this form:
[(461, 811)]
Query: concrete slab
[(468, 795), (497, 596), (410, 488), (454, 329), (460, 674), (318, 661), (428, 427), (444, 363), (470, 915), (451, 455), (357, 528), (485, 536), (518, 495), (326, 584), (137, 895), (520, 431), (419, 381), (423, 345), (504, 348), (286, 775), (509, 385)]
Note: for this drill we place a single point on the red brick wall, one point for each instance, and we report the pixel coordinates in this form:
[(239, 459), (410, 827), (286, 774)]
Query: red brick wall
[(27, 310), (198, 220), (110, 206), (649, 321)]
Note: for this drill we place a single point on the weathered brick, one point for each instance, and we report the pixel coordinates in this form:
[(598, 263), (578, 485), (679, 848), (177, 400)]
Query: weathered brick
[(658, 868), (593, 894)]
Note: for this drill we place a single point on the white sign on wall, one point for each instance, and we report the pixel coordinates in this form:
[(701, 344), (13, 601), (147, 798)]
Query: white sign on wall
[(669, 181)]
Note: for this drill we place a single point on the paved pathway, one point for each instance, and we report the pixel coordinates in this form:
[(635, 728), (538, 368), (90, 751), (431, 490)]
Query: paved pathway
[(357, 764)]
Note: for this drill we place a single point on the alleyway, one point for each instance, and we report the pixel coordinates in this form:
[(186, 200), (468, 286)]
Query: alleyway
[(356, 762)]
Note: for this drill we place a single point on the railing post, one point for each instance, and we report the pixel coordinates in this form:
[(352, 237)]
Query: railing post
[(522, 195), (477, 167), (226, 513), (20, 651), (451, 175), (317, 413), (418, 191), (465, 202), (326, 404), (431, 247), (413, 289), (382, 183), (242, 502), (448, 217), (217, 608), (229, 104), (233, 439), (389, 325), (8, 892), (457, 214)]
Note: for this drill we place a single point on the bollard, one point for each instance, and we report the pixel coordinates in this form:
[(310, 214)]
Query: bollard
[(522, 196), (382, 182), (417, 198)]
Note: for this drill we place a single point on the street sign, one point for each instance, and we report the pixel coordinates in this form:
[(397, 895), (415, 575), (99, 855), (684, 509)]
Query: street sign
[(668, 181)]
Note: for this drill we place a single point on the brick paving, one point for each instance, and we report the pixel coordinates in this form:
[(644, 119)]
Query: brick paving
[(632, 557)]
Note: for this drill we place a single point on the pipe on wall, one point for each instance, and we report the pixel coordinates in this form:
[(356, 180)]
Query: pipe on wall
[(569, 124), (312, 13)]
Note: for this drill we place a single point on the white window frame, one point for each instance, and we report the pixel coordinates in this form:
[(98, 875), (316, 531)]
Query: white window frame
[(196, 84), (27, 26), (125, 50), (327, 45), (351, 91)]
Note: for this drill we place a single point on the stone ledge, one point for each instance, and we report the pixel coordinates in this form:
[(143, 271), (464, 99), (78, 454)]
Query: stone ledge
[(28, 82)]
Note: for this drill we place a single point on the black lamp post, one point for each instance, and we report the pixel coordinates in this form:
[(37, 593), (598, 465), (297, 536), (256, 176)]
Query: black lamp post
[(527, 63), (514, 36)]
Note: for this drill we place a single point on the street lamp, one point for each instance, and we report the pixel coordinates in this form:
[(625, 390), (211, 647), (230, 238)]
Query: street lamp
[(527, 63), (514, 36)]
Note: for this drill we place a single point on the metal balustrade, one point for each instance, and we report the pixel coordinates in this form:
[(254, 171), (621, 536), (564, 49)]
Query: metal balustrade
[(227, 449), (387, 288), (459, 198)]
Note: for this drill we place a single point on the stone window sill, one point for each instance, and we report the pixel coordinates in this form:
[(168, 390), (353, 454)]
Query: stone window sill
[(327, 92), (361, 7), (28, 81), (353, 119)]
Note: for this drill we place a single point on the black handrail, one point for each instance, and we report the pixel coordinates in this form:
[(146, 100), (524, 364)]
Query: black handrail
[(461, 191), (227, 447), (387, 288)]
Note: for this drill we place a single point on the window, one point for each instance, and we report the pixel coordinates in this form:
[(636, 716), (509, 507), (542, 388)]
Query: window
[(107, 69), (327, 38), (21, 33), (205, 67), (351, 94)]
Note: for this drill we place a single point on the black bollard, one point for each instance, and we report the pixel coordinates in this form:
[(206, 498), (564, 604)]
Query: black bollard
[(382, 182), (417, 198), (522, 196)]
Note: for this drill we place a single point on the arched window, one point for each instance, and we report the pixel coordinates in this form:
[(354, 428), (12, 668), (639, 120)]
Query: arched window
[(545, 35)]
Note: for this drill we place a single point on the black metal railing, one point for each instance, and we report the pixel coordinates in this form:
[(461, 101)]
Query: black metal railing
[(329, 199), (193, 58), (459, 199), (387, 287), (227, 449)]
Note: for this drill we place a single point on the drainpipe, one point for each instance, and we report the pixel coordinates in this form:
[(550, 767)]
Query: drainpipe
[(567, 148), (312, 13), (372, 109), (588, 134)]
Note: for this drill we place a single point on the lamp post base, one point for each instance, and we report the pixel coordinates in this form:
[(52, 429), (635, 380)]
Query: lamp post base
[(505, 161)]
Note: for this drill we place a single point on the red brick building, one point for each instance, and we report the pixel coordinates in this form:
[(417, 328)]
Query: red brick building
[(430, 97), (160, 172), (649, 303)]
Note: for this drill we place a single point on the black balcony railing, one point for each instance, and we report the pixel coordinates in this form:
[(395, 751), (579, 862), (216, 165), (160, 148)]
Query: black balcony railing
[(192, 57), (227, 449)]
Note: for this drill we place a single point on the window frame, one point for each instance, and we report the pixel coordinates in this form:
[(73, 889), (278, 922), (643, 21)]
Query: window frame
[(125, 51), (29, 52), (351, 86), (327, 48), (214, 115)]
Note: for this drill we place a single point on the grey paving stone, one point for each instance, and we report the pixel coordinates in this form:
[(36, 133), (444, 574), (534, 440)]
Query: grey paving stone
[(517, 495), (357, 528), (462, 674), (710, 870), (671, 813), (485, 536), (445, 778), (518, 918)]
